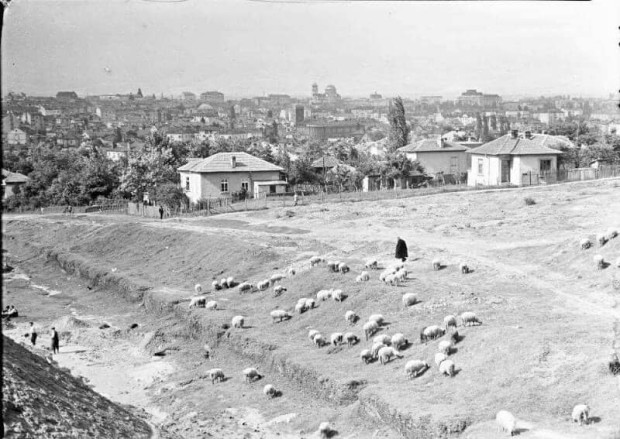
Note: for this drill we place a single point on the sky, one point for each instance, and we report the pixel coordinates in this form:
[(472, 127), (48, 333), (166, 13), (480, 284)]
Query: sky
[(253, 48)]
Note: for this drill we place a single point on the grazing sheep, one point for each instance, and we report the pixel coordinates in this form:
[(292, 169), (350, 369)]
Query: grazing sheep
[(230, 282), (386, 354), (251, 374), (351, 338), (215, 375), (366, 356), (611, 233), (198, 288), (336, 338), (614, 364), (245, 287), (315, 260), (238, 321), (409, 299), (469, 319), (370, 328), (431, 333), (376, 318), (401, 275), (207, 350), (398, 341), (224, 283), (350, 317), (263, 285), (601, 239), (436, 264), (211, 305), (275, 278), (448, 321), (343, 268), (445, 346), (319, 341), (384, 338), (506, 422), (301, 306), (310, 303), (324, 295), (376, 347), (312, 333), (439, 357), (337, 295), (413, 368), (581, 414), (599, 261), (279, 314), (387, 272), (392, 280), (455, 337), (216, 285), (278, 290), (585, 244), (291, 271), (332, 266), (270, 391), (363, 277), (198, 301), (464, 268), (325, 430), (447, 368), (371, 264)]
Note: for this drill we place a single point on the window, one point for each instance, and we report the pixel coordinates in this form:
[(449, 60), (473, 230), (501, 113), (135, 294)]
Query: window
[(186, 183), (480, 166), (545, 165), (245, 186), (224, 185)]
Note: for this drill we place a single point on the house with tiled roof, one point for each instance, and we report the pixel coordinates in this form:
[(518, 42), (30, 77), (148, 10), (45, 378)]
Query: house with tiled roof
[(10, 180), (225, 173), (438, 155), (514, 159)]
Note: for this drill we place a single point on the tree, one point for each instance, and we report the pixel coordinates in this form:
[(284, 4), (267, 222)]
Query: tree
[(399, 130), (478, 130), (493, 122), (302, 171), (398, 166), (485, 129), (148, 169)]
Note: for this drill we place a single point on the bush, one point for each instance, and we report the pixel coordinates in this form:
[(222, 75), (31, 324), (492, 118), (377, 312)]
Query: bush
[(529, 201)]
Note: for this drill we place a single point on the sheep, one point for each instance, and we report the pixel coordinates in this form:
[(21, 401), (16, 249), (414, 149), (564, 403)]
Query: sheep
[(325, 430), (332, 266), (278, 290), (245, 287), (197, 301), (350, 317), (397, 266), (436, 264), (469, 319), (301, 306), (413, 368), (337, 295), (230, 282), (211, 305), (315, 260), (224, 283), (611, 233), (324, 295), (208, 352), (506, 422), (310, 303), (215, 375), (198, 288), (270, 391), (371, 264), (363, 277), (601, 239), (409, 299), (445, 346), (336, 338), (464, 268), (251, 374), (366, 356), (343, 268), (263, 285), (599, 261), (455, 337), (431, 333), (585, 244), (370, 328), (398, 341), (216, 285), (376, 318), (392, 280), (614, 364), (385, 273), (581, 414), (319, 341), (439, 357), (448, 321), (386, 354), (447, 368), (291, 271), (279, 314), (384, 338), (312, 333), (351, 338), (238, 321), (275, 278), (376, 347), (401, 275)]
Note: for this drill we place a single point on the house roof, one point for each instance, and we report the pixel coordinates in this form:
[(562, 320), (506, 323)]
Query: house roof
[(222, 162), (326, 161), (432, 145), (538, 144), (13, 177)]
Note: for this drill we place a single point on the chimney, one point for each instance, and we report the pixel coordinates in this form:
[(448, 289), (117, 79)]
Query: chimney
[(528, 134), (441, 142), (514, 134), (233, 161)]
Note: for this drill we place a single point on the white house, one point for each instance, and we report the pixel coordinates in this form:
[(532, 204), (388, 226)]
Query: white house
[(515, 159), (10, 180), (438, 155), (16, 137)]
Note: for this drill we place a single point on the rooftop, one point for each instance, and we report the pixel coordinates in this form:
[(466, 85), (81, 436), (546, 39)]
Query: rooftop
[(222, 162), (432, 145), (510, 145)]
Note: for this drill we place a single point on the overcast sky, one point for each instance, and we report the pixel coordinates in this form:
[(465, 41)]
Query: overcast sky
[(250, 48)]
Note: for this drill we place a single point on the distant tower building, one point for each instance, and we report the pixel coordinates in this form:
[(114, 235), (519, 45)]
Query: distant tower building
[(315, 89), (299, 114)]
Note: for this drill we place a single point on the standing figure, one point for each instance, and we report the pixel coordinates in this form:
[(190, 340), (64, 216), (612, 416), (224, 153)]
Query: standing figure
[(33, 334), (161, 212), (55, 342), (401, 250), (295, 199)]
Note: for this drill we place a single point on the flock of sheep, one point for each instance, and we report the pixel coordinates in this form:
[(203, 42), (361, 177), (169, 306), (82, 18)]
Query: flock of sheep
[(601, 239)]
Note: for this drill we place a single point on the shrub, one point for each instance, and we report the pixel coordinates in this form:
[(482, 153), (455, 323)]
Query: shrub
[(529, 201)]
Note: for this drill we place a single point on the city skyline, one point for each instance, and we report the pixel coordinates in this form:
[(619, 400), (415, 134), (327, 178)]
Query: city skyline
[(245, 48)]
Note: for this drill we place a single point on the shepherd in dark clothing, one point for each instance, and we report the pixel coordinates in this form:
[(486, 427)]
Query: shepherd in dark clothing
[(401, 250), (33, 334), (55, 342), (161, 212)]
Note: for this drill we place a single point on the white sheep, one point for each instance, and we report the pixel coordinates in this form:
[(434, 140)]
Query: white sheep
[(445, 346), (275, 278), (325, 430), (291, 271), (366, 356), (397, 266), (409, 299), (351, 338), (198, 288), (238, 321), (448, 321), (251, 374), (315, 260), (216, 285), (363, 277), (464, 268), (332, 265), (224, 283), (376, 347), (385, 273), (278, 289), (211, 305), (506, 422), (324, 295), (215, 375), (447, 368), (270, 391), (611, 233), (198, 301), (337, 295), (310, 303), (386, 353), (599, 261), (230, 282), (370, 328), (439, 357), (470, 319), (436, 264), (413, 368), (398, 341), (376, 318), (601, 239), (336, 338), (383, 338), (401, 275), (350, 317), (585, 244), (343, 268), (371, 264), (263, 285), (301, 307), (581, 414), (431, 333), (319, 341), (392, 280), (245, 287), (279, 314), (312, 333)]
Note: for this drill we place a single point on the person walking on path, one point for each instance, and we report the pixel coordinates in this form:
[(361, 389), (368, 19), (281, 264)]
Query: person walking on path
[(33, 334), (401, 250), (55, 342), (295, 199), (161, 212)]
